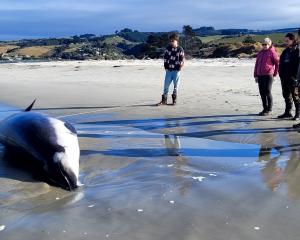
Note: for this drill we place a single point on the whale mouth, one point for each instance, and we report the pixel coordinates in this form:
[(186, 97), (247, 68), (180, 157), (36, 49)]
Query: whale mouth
[(69, 178)]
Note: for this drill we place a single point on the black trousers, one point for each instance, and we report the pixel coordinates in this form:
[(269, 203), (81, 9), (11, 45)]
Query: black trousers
[(265, 86), (290, 94)]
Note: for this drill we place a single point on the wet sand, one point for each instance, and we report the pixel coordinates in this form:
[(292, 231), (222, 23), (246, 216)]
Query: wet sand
[(208, 168)]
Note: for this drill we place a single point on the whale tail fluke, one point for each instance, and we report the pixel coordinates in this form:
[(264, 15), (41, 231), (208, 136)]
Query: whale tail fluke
[(30, 106)]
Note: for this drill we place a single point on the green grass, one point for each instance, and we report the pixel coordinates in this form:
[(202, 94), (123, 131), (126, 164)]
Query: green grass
[(208, 39), (277, 38), (73, 47), (114, 40)]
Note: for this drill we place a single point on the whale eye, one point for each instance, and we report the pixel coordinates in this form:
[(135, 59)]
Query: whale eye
[(59, 148), (70, 127)]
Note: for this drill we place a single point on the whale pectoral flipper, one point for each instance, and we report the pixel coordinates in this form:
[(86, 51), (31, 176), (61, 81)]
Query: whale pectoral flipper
[(30, 106)]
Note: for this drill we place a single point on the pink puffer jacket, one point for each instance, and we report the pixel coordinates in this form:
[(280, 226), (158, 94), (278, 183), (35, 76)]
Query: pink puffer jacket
[(267, 63)]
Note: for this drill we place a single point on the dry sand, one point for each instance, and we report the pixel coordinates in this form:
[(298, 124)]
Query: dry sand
[(207, 168), (207, 86)]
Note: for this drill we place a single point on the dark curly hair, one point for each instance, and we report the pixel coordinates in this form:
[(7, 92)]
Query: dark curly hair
[(174, 36)]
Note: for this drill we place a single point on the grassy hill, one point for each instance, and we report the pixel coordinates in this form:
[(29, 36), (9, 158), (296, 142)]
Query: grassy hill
[(208, 39), (277, 38), (36, 52), (115, 40), (73, 47), (6, 48)]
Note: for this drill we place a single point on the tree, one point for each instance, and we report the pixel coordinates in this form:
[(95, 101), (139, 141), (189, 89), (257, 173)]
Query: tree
[(249, 39), (155, 45), (126, 30), (190, 41), (87, 36), (188, 31)]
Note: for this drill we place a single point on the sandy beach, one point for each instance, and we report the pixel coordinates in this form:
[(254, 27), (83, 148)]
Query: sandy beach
[(208, 168)]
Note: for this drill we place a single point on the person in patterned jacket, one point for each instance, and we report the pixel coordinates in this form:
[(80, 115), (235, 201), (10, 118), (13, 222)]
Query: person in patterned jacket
[(173, 63)]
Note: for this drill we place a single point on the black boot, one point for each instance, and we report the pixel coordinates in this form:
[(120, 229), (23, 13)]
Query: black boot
[(296, 125), (287, 112), (163, 100), (265, 113), (297, 115), (269, 110), (174, 98)]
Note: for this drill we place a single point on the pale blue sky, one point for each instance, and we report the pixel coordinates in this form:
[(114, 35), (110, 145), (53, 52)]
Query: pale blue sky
[(56, 18)]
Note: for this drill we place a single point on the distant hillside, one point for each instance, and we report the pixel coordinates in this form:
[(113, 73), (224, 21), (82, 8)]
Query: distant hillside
[(277, 38), (210, 31), (204, 42)]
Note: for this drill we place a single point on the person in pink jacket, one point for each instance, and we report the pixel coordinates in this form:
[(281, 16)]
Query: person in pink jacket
[(266, 67)]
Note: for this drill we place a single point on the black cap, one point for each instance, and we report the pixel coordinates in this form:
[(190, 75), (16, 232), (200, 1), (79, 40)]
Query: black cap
[(291, 36)]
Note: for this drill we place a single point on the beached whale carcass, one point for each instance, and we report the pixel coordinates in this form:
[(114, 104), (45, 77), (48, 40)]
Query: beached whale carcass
[(52, 144)]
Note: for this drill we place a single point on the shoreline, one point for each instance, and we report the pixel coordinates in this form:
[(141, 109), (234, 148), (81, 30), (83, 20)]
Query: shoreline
[(191, 62)]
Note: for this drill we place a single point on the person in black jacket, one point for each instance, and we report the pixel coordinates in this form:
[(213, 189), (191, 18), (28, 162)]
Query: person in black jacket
[(288, 68), (298, 74)]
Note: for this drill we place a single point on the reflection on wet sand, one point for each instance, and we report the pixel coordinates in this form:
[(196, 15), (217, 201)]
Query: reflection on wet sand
[(292, 175), (172, 146), (276, 173), (272, 173), (179, 172)]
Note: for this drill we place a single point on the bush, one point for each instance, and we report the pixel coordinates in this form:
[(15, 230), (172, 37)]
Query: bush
[(249, 39)]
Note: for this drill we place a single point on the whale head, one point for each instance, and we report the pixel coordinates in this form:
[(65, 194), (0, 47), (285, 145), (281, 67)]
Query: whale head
[(63, 169)]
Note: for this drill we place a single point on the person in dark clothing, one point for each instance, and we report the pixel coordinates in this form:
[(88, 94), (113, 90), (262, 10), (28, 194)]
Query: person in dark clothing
[(173, 63), (288, 68), (298, 74)]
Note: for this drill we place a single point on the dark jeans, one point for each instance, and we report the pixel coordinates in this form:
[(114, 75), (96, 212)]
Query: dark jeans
[(265, 87), (290, 94)]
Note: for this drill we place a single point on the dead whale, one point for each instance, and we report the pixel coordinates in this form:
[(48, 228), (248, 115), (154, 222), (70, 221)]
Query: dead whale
[(52, 144)]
